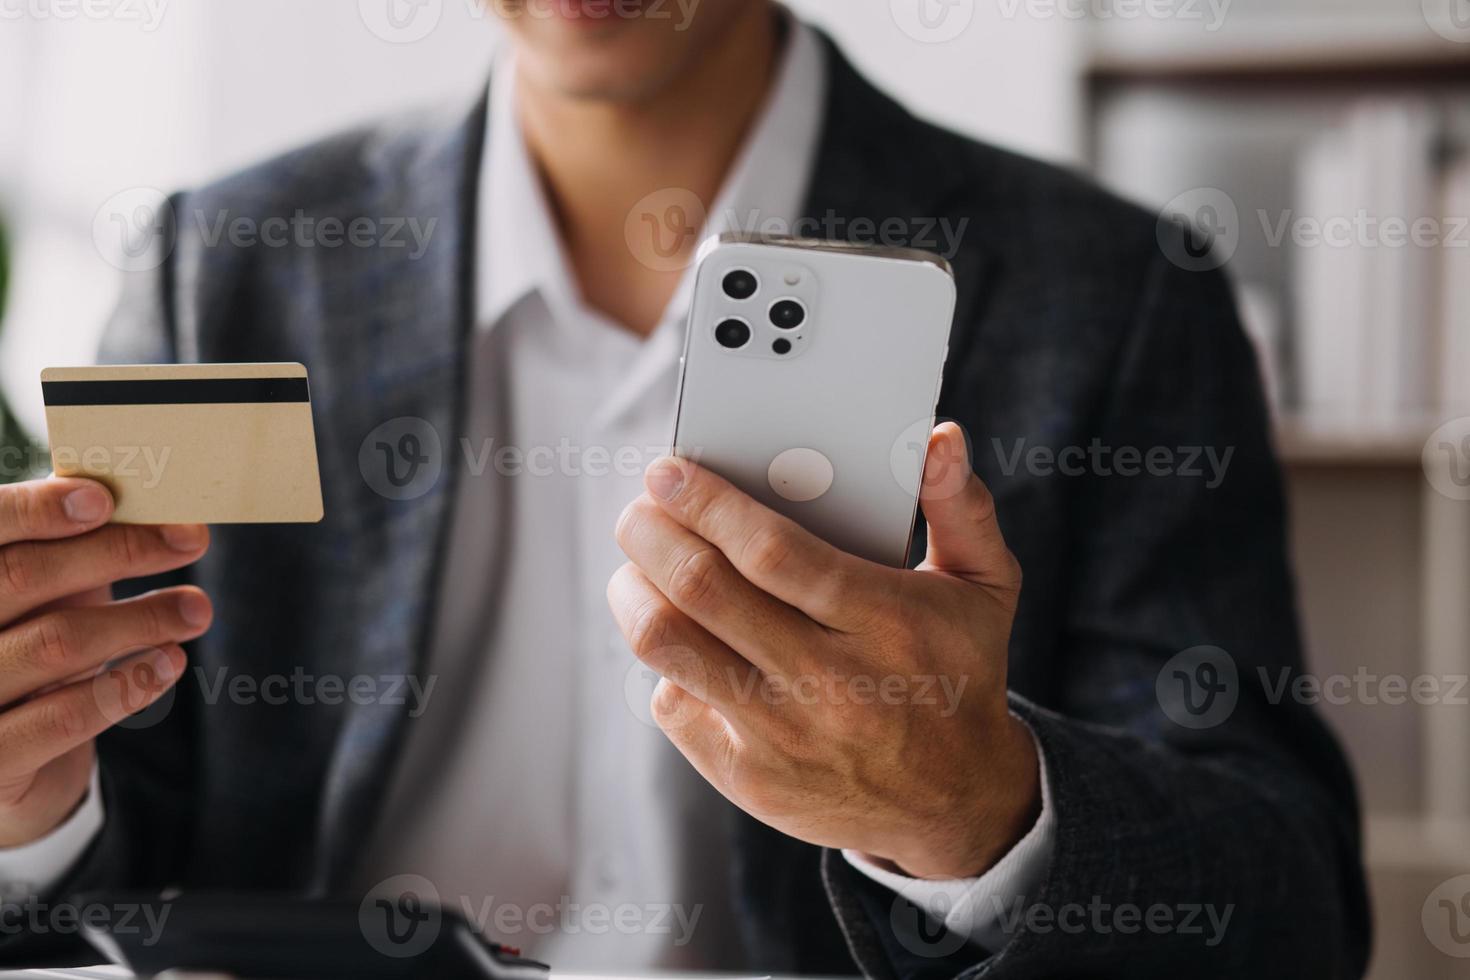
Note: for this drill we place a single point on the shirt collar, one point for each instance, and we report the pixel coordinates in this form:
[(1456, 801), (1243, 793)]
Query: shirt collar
[(519, 249)]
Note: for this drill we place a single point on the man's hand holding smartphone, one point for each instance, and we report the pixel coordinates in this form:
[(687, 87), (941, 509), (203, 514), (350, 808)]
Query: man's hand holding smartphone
[(751, 620), (60, 629)]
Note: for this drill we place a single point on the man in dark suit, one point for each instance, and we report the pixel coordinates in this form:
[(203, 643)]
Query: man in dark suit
[(1109, 792)]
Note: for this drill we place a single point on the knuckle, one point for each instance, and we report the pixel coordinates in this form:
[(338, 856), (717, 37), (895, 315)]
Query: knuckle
[(22, 509), (696, 500), (64, 719), (150, 621), (694, 581), (54, 642), (650, 631), (632, 519), (125, 547), (18, 568), (769, 550)]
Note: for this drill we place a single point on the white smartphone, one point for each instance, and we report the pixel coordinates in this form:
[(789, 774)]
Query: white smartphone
[(810, 375)]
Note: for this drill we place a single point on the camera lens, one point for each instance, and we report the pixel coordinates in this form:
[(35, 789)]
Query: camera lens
[(781, 345), (732, 334), (788, 314), (740, 284)]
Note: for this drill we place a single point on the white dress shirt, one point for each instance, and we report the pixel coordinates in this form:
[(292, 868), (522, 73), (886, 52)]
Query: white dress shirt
[(535, 793)]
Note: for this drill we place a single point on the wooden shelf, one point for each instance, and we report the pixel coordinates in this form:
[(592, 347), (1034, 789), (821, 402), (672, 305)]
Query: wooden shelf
[(1407, 843), (1325, 442)]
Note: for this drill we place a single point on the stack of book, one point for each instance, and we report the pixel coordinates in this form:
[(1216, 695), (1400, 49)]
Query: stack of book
[(1381, 244)]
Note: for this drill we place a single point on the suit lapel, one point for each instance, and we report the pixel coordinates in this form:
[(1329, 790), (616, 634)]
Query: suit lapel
[(874, 164), (393, 348)]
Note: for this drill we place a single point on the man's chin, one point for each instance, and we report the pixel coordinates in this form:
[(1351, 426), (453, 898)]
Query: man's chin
[(600, 75)]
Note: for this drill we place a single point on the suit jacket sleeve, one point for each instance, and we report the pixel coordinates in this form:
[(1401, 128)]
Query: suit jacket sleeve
[(1223, 844)]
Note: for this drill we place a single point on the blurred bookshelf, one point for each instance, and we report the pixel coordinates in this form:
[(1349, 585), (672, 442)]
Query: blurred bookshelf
[(1365, 349)]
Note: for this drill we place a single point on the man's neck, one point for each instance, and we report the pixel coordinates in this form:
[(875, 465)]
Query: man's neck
[(599, 159)]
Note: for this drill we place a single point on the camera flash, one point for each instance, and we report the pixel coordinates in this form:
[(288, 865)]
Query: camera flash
[(792, 278)]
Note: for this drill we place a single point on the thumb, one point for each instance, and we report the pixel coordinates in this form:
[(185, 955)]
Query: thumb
[(964, 536)]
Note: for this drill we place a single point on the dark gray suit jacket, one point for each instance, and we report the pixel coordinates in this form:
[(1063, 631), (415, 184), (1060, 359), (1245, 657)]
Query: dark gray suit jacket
[(1072, 326)]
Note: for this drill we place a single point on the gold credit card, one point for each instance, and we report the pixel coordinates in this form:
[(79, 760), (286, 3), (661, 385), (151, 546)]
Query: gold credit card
[(189, 443)]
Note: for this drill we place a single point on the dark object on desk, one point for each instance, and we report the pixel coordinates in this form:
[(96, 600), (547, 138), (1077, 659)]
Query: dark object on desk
[(262, 937)]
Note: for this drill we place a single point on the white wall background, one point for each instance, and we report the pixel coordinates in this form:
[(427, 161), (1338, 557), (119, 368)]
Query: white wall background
[(167, 93)]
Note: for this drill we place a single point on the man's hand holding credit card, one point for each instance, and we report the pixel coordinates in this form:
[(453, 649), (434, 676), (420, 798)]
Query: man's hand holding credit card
[(145, 457)]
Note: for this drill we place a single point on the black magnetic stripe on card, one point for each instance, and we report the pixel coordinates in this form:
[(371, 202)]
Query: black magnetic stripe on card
[(176, 391)]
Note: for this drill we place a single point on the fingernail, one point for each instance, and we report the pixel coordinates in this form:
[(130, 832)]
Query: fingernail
[(86, 505), (663, 479), (164, 668), (194, 609), (183, 537)]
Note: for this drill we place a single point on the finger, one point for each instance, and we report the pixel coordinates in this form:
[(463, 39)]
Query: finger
[(964, 534), (701, 582), (679, 649), (59, 507), (700, 733), (73, 642), (774, 552), (46, 728), (99, 596), (33, 573)]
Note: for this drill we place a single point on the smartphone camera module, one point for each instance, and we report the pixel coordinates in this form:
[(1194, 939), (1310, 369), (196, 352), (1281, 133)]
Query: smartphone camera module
[(740, 284), (732, 334), (787, 314)]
